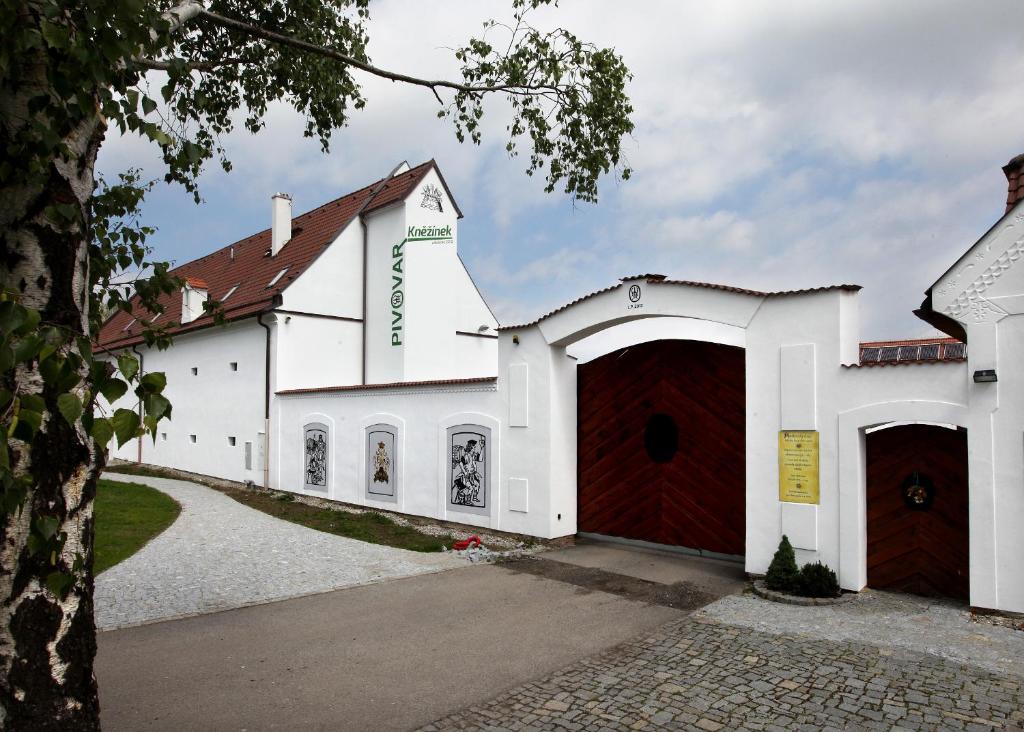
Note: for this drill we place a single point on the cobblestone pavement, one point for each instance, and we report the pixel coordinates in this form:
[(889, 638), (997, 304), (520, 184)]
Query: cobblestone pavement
[(938, 627), (700, 674), (220, 554)]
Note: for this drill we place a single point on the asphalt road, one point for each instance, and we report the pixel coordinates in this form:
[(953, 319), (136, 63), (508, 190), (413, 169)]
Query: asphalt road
[(390, 656)]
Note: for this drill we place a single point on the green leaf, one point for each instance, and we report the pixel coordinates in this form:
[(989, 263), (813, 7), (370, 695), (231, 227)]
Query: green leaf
[(148, 105), (113, 389), (102, 431), (70, 406), (128, 366), (12, 315), (126, 425), (153, 382), (59, 583)]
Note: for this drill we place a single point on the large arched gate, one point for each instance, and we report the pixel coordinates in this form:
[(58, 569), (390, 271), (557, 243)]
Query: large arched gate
[(661, 445)]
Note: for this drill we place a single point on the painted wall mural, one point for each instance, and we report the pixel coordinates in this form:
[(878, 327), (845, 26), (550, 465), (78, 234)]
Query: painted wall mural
[(316, 452), (382, 462), (469, 461)]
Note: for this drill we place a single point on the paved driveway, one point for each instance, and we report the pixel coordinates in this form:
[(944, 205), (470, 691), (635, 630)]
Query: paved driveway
[(220, 554)]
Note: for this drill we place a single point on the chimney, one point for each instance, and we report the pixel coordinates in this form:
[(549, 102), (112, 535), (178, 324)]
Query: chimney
[(1014, 171), (281, 222)]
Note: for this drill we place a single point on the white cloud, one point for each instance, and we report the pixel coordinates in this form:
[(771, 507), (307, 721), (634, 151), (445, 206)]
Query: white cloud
[(777, 145)]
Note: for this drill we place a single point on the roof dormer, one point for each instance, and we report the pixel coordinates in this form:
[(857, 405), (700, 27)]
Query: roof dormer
[(194, 295)]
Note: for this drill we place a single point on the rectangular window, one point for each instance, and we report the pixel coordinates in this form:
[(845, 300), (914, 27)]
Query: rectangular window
[(195, 371), (248, 456), (192, 438), (234, 365), (231, 441), (163, 436)]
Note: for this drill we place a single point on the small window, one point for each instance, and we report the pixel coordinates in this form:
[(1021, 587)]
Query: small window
[(248, 456), (163, 436), (229, 293), (278, 276), (192, 438), (231, 441), (195, 371), (234, 365)]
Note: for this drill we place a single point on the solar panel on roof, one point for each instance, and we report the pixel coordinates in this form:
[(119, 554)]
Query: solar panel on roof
[(868, 355), (929, 352), (955, 350), (889, 353), (908, 353)]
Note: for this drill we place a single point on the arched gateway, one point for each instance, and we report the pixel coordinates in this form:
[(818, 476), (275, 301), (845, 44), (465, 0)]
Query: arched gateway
[(661, 445)]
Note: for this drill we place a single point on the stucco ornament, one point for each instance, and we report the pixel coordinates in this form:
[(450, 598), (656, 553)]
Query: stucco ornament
[(971, 303)]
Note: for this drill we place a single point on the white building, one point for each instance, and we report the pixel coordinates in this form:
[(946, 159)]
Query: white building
[(707, 417)]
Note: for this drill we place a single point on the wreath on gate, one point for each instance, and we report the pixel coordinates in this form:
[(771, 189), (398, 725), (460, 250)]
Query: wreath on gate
[(918, 491)]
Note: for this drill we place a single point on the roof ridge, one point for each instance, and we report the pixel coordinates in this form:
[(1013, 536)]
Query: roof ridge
[(367, 189)]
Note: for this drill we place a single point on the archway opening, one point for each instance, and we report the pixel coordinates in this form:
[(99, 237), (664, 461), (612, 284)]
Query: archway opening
[(662, 445), (917, 510)]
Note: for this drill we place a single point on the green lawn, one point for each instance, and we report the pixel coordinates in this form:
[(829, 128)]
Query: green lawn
[(127, 516)]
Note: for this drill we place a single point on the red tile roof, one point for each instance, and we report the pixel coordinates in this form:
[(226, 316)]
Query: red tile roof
[(394, 385), (247, 264), (657, 279), (914, 350)]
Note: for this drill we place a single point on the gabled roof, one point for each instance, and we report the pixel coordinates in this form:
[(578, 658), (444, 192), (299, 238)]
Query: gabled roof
[(248, 265), (658, 279)]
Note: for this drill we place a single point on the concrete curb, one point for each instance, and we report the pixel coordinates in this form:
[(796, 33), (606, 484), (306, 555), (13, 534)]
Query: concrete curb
[(761, 590)]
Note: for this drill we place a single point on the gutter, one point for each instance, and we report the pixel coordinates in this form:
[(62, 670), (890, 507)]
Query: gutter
[(142, 362)]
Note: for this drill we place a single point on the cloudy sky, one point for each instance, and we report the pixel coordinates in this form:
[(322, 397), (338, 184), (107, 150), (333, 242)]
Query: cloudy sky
[(777, 145)]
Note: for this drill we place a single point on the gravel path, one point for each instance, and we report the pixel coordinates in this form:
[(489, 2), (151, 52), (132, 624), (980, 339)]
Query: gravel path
[(220, 554)]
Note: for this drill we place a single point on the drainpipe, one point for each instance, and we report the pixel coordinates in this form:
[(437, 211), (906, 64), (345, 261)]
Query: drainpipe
[(266, 405), (138, 440)]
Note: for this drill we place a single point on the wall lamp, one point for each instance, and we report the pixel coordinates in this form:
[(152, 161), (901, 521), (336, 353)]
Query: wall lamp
[(982, 376)]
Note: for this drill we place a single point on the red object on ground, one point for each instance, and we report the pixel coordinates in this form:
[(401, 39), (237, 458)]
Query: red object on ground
[(466, 543)]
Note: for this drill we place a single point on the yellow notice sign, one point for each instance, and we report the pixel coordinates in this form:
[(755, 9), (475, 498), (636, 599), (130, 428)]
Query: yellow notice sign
[(798, 466)]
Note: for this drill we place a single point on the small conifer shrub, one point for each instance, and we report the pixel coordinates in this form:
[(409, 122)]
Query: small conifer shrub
[(817, 580), (782, 572)]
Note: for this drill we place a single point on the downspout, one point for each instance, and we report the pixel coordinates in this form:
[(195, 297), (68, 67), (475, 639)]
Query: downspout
[(266, 405), (142, 361)]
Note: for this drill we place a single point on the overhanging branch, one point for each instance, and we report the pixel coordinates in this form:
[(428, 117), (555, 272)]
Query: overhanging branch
[(433, 85)]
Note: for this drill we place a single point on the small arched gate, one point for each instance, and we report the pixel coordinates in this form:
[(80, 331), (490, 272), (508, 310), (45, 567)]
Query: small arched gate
[(917, 520)]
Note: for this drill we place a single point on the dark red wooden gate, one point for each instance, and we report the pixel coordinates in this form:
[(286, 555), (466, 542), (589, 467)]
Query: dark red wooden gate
[(917, 510), (661, 445)]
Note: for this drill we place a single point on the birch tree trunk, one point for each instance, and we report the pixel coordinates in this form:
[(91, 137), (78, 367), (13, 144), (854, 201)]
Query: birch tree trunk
[(47, 644)]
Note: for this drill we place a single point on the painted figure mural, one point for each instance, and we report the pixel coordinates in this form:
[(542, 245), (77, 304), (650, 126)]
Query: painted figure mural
[(316, 457), (467, 471), (381, 463)]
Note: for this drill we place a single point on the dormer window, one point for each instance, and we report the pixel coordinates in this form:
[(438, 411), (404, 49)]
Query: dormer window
[(193, 296), (277, 277)]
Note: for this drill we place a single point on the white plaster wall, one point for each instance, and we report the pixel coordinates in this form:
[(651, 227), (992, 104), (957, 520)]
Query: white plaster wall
[(385, 363), (422, 415), (314, 352), (332, 284), (429, 309), (473, 356), (212, 405)]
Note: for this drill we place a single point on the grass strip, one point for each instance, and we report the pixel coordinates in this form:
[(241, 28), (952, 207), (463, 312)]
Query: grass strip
[(127, 516), (369, 526)]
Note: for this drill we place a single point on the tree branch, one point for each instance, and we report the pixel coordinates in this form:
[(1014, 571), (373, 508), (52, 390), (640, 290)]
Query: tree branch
[(167, 65), (433, 85)]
